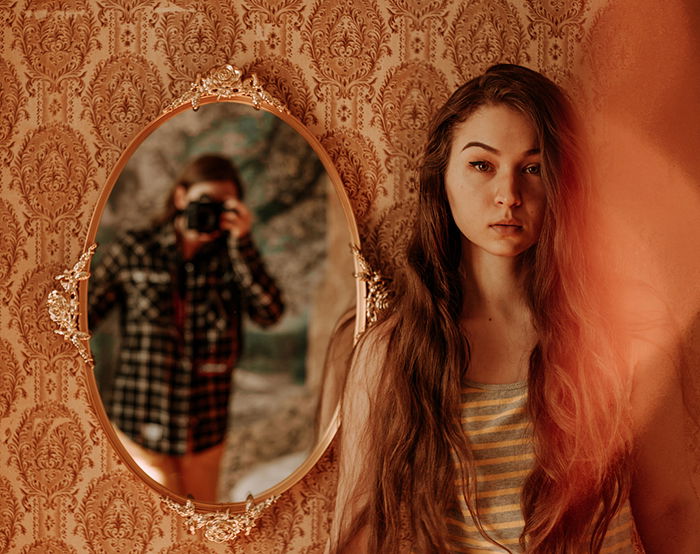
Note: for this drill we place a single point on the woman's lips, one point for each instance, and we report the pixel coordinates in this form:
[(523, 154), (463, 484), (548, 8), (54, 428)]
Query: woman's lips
[(507, 228)]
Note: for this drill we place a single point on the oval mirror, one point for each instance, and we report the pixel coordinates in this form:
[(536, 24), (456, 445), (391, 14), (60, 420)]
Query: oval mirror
[(210, 329)]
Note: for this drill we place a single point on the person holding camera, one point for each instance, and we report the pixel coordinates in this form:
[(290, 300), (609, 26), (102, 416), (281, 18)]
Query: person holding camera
[(181, 288)]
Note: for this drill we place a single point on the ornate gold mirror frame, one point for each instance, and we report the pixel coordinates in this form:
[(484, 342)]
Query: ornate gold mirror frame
[(221, 522)]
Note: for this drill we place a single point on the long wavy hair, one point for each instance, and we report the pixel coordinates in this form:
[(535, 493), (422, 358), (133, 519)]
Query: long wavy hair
[(577, 390)]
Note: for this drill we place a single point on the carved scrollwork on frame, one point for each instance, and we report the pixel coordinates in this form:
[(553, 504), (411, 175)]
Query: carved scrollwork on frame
[(64, 306), (378, 292), (226, 81), (221, 526)]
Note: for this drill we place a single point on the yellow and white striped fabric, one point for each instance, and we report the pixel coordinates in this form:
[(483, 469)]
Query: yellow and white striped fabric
[(495, 419)]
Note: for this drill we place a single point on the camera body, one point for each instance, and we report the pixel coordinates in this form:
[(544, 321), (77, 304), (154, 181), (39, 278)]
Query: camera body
[(204, 215)]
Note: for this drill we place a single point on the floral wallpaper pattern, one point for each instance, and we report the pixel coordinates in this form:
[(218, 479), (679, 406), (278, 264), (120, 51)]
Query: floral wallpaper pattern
[(78, 80)]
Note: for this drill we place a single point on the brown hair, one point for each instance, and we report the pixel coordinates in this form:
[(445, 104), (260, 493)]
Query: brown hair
[(576, 400), (208, 167)]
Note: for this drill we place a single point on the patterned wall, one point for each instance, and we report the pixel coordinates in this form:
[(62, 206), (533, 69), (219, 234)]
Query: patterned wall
[(79, 78)]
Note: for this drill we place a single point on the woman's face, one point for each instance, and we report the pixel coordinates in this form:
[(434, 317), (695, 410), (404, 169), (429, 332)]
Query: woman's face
[(493, 181)]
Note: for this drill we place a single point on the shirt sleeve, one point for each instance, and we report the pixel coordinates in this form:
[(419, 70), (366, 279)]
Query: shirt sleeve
[(104, 289), (262, 297)]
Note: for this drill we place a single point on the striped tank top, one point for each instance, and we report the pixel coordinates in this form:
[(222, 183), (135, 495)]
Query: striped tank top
[(495, 420)]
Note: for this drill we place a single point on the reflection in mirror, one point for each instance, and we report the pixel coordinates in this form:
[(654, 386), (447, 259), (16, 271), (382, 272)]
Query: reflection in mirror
[(177, 273)]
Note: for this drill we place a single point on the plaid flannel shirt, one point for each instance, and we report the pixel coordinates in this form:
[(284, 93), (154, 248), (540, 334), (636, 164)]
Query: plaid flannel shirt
[(180, 324)]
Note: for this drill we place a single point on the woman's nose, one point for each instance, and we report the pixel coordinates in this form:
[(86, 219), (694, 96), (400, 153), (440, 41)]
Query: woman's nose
[(508, 191)]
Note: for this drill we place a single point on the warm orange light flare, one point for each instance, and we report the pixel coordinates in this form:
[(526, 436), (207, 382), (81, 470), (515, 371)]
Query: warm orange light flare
[(643, 68)]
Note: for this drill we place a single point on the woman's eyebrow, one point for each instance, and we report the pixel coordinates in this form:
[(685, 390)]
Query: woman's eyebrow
[(529, 152), (482, 145)]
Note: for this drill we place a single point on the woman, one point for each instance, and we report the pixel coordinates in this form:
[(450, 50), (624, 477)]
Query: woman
[(182, 287), (487, 410)]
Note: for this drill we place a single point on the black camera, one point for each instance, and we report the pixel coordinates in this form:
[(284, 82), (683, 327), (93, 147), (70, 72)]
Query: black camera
[(204, 215)]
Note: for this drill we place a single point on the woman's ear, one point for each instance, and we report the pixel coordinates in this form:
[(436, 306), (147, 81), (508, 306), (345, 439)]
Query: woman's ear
[(180, 197)]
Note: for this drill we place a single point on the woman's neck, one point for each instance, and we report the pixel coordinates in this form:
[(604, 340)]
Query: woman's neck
[(496, 318), (494, 284)]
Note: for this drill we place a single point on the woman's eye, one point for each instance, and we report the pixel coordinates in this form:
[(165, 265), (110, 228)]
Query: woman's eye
[(533, 169), (483, 167)]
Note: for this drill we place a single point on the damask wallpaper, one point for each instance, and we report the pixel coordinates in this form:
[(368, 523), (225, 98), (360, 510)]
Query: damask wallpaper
[(78, 80)]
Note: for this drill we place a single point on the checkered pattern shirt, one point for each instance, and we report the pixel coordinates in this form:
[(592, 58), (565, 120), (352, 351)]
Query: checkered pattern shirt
[(180, 324)]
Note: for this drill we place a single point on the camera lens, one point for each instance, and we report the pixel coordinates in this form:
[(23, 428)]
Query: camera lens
[(203, 215)]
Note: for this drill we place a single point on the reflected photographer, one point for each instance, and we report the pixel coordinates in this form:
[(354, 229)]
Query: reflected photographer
[(181, 288)]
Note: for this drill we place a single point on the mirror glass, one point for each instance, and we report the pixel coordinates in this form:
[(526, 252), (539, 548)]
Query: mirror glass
[(209, 347)]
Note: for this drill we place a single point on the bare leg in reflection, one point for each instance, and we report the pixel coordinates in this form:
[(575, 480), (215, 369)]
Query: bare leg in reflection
[(194, 475), (199, 473), (159, 467)]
